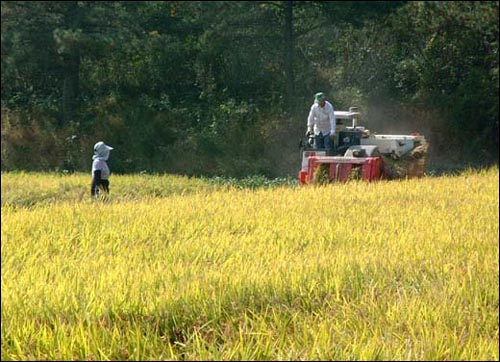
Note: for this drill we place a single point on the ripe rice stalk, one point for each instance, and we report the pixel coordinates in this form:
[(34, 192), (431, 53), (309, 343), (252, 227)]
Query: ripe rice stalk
[(408, 165), (321, 175)]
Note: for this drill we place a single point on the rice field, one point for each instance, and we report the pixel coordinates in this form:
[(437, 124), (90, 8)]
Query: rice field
[(178, 268)]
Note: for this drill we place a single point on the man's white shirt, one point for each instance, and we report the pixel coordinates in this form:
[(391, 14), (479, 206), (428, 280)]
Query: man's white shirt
[(323, 119)]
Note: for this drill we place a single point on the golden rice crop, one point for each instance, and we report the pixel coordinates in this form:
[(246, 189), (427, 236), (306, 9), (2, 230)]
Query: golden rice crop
[(399, 270)]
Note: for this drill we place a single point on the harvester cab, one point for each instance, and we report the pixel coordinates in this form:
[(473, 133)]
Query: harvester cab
[(358, 154)]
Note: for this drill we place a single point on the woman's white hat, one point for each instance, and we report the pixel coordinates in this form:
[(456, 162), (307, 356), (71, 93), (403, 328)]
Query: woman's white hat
[(101, 151)]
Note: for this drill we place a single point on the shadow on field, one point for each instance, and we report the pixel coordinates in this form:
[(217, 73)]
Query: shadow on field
[(188, 323), (453, 169)]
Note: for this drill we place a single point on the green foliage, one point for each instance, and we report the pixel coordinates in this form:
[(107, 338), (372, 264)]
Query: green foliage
[(205, 87), (433, 57)]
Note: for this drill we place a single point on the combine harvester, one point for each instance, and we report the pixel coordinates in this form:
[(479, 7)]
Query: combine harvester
[(358, 154)]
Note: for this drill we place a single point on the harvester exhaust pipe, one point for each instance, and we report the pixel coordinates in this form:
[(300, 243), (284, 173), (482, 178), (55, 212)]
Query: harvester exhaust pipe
[(354, 119)]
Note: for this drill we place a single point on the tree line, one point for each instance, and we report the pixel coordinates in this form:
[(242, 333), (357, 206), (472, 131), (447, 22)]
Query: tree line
[(224, 87)]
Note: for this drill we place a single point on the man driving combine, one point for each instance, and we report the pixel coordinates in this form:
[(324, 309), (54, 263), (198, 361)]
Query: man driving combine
[(321, 122)]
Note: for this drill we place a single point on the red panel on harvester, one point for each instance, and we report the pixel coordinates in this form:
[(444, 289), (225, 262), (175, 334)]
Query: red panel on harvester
[(302, 177), (341, 169), (371, 169)]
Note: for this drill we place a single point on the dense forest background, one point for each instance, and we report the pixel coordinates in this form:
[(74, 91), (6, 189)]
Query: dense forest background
[(225, 87)]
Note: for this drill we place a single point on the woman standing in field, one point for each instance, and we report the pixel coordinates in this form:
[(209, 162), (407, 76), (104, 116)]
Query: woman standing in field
[(100, 169)]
